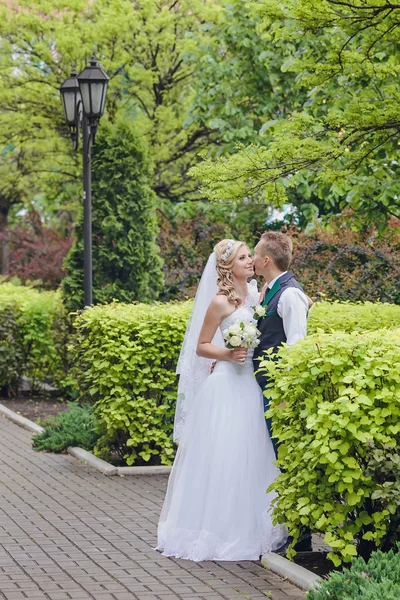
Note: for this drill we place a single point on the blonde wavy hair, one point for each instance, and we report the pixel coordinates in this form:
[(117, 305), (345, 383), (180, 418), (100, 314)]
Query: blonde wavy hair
[(224, 268)]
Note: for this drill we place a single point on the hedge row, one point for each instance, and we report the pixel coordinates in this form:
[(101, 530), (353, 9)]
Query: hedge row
[(32, 337), (340, 438), (349, 317), (124, 359)]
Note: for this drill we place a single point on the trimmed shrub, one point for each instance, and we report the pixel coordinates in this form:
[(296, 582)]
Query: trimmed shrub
[(32, 336), (77, 427), (351, 316), (340, 436), (124, 359), (378, 578)]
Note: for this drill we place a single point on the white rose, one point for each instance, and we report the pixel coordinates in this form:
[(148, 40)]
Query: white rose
[(250, 330), (235, 329), (235, 340), (260, 311)]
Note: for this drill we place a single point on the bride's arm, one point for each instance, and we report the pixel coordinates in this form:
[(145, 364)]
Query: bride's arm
[(218, 310)]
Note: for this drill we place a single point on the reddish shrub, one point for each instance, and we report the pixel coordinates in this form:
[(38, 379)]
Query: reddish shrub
[(352, 265), (184, 247), (37, 252)]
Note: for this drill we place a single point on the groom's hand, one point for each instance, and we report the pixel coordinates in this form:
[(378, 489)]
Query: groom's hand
[(213, 366)]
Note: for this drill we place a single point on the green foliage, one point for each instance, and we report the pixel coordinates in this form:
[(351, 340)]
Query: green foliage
[(124, 359), (126, 265), (340, 437), (339, 148), (145, 47), (378, 578), (76, 427), (241, 87), (349, 317), (32, 336)]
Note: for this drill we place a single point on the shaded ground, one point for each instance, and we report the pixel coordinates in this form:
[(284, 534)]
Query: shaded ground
[(315, 562), (35, 409)]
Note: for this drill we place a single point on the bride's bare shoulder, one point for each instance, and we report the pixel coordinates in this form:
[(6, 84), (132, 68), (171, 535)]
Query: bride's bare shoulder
[(221, 305)]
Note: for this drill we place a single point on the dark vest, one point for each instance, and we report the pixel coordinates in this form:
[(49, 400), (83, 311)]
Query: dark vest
[(271, 326)]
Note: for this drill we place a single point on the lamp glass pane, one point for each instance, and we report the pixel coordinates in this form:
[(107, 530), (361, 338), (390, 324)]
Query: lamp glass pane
[(69, 106), (79, 106), (97, 95), (85, 93), (103, 101)]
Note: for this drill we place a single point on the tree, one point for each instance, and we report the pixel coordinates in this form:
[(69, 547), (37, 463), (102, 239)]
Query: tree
[(342, 145), (241, 85), (146, 49), (126, 265)]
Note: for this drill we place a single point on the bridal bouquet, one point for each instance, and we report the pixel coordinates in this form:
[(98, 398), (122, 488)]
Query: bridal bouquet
[(242, 334)]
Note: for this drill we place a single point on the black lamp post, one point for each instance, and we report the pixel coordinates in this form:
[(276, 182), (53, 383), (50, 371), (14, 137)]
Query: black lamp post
[(84, 97)]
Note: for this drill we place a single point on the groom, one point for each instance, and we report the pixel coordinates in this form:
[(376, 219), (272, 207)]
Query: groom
[(286, 314)]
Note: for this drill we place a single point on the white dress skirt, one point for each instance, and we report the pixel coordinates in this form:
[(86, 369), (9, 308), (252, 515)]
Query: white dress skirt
[(216, 506)]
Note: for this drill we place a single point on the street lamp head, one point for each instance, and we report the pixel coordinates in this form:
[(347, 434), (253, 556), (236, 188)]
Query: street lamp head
[(93, 82), (71, 97)]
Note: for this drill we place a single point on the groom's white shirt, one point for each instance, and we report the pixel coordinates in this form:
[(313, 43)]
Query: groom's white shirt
[(293, 310)]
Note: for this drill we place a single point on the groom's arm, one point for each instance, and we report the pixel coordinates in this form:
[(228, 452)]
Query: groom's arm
[(293, 309)]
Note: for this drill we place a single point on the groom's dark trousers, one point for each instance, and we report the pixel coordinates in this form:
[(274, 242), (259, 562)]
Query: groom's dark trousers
[(272, 336)]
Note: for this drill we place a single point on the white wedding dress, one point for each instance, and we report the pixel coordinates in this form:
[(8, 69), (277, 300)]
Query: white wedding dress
[(216, 506)]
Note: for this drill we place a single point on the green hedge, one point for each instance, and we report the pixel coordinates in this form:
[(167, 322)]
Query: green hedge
[(353, 316), (32, 337), (378, 579), (340, 438), (124, 359)]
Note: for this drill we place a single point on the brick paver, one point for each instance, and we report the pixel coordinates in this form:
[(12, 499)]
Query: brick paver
[(68, 532)]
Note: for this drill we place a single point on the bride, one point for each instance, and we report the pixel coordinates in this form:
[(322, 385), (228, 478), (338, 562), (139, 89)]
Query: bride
[(216, 506)]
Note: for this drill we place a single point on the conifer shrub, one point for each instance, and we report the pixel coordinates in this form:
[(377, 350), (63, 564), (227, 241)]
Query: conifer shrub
[(124, 359), (76, 427), (126, 262), (339, 433), (377, 579)]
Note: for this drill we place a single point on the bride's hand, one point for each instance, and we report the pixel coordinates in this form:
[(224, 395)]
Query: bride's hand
[(239, 354)]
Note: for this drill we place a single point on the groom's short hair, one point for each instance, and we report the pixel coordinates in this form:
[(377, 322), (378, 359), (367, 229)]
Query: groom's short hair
[(277, 246)]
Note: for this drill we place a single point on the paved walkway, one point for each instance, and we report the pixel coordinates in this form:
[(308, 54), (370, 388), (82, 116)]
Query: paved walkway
[(68, 532)]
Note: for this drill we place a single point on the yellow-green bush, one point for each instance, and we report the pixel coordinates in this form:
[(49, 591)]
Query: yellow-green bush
[(353, 316), (124, 359), (340, 436), (32, 336)]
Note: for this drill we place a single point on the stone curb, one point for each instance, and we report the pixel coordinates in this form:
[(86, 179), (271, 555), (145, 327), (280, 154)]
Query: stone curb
[(83, 455), (92, 460), (151, 470), (304, 579), (19, 420)]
